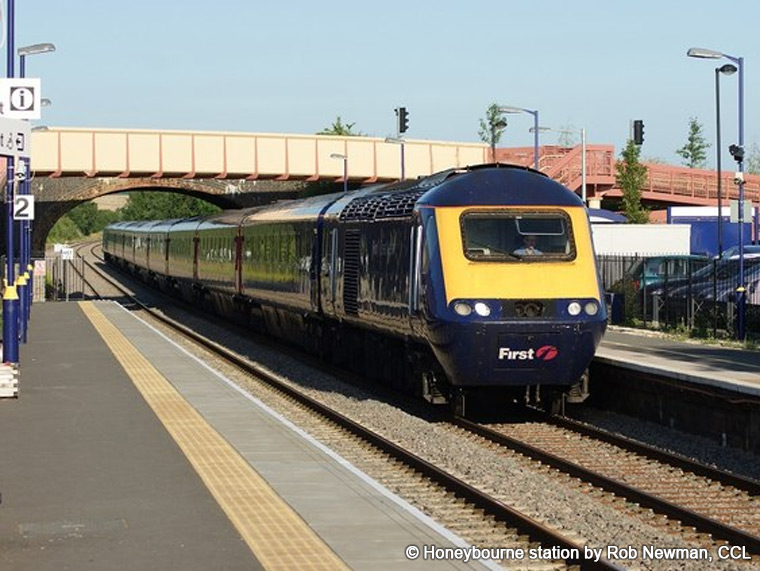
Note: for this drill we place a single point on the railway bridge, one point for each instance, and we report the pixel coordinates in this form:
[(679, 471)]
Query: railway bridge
[(233, 170)]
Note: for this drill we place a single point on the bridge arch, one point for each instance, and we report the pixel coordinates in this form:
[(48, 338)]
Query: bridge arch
[(54, 197)]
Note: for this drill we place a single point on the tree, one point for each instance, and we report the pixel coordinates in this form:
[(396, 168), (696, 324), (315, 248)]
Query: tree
[(631, 177), (752, 162), (492, 127), (151, 205), (64, 231), (694, 151), (89, 219), (339, 128)]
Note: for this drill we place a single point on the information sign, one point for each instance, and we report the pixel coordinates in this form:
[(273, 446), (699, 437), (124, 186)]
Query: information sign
[(15, 138), (20, 98)]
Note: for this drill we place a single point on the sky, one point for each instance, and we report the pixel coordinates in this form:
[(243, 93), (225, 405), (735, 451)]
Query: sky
[(294, 66)]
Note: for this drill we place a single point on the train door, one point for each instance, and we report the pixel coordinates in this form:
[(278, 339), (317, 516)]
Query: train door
[(239, 261), (329, 271), (417, 261), (167, 240), (196, 248)]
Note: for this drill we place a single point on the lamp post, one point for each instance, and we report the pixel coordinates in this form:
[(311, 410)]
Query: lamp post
[(402, 142), (26, 279), (343, 158), (533, 112), (738, 154), (584, 171), (727, 69)]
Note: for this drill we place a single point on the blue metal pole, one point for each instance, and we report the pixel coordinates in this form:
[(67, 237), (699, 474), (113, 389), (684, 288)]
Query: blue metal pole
[(10, 296), (741, 290), (535, 137), (718, 162), (23, 274)]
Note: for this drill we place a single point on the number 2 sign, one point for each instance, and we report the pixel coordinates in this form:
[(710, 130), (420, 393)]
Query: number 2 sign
[(23, 207)]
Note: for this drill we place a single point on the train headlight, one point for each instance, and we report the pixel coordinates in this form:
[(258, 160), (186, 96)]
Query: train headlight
[(591, 308), (574, 308), (462, 308), (482, 309)]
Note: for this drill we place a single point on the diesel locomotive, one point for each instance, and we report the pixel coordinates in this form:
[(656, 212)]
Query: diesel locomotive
[(426, 284)]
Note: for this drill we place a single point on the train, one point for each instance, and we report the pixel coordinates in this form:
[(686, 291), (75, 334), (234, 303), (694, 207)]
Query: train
[(422, 284)]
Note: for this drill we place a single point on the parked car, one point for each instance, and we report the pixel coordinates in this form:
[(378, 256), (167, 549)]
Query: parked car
[(658, 274), (719, 280), (750, 251)]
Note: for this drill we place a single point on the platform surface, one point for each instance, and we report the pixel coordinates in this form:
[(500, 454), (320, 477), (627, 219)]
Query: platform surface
[(125, 452), (700, 363)]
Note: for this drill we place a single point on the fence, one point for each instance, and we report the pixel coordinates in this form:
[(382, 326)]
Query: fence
[(689, 292), (65, 278)]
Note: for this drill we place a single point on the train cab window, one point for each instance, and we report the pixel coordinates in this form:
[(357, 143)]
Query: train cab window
[(517, 236)]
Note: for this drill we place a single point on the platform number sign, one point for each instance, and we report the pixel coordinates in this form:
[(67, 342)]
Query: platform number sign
[(23, 207)]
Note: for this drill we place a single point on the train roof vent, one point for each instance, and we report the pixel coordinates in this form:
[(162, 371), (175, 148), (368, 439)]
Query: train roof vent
[(379, 206)]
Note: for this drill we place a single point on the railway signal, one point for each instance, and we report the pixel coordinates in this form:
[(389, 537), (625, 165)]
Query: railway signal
[(638, 131)]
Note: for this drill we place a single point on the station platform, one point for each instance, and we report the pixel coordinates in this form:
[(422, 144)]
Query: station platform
[(735, 370), (123, 451)]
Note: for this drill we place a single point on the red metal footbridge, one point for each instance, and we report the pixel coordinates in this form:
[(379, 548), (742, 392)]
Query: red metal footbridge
[(666, 184)]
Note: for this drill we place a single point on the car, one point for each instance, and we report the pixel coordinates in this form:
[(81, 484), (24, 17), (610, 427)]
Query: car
[(656, 274), (719, 279), (750, 251)]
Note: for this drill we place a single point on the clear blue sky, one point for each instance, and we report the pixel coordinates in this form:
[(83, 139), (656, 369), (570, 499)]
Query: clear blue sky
[(293, 66)]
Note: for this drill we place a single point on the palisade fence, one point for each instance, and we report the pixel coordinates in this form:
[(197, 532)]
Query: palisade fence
[(65, 278), (55, 278), (676, 292)]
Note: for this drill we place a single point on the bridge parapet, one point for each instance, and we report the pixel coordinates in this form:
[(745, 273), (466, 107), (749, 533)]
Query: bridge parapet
[(697, 186), (180, 154)]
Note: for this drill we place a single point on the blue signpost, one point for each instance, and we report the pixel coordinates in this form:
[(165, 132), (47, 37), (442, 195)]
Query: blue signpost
[(20, 99)]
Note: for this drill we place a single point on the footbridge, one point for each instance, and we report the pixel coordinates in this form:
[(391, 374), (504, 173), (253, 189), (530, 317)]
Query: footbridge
[(233, 170), (665, 185)]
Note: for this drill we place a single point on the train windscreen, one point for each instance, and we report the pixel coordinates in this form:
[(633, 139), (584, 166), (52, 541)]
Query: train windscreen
[(516, 236)]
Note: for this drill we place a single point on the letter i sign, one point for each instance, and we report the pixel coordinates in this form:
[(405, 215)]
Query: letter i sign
[(22, 98)]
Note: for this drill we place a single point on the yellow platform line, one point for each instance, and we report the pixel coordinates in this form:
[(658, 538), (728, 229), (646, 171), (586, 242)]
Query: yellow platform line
[(277, 535)]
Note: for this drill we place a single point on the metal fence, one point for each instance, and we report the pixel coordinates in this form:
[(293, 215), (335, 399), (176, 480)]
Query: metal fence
[(685, 292), (65, 278)]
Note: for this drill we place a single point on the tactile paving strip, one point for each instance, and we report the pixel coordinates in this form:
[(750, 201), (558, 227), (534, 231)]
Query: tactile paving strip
[(278, 537)]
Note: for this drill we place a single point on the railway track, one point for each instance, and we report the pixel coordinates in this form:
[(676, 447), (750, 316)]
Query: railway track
[(712, 501), (481, 513), (715, 504)]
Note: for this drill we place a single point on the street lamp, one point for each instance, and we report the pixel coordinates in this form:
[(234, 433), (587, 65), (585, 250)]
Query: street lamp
[(26, 288), (535, 127), (34, 49), (343, 158), (726, 69), (583, 153), (738, 154)]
